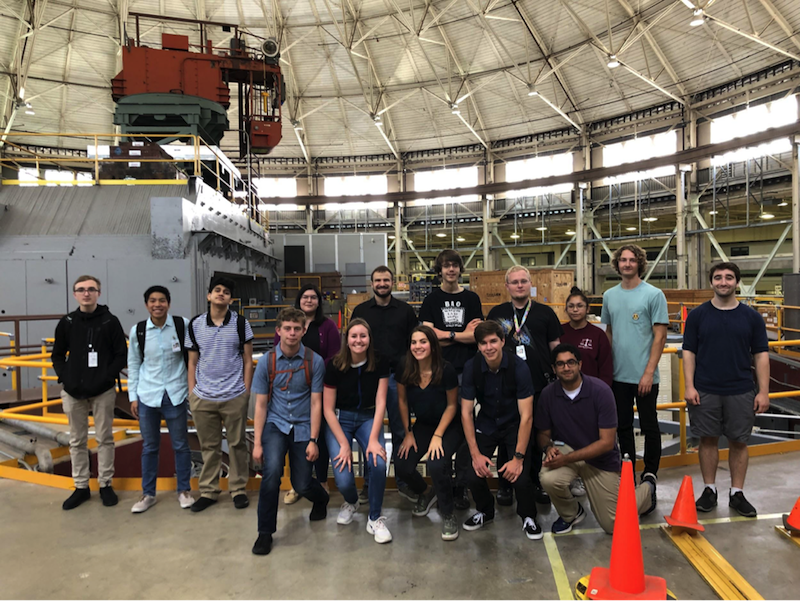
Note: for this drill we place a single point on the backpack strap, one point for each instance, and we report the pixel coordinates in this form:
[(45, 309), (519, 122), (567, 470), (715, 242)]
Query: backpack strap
[(141, 336), (192, 336), (180, 331), (308, 365), (240, 322), (271, 360)]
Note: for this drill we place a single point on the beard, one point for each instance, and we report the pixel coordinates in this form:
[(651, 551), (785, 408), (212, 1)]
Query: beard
[(382, 294)]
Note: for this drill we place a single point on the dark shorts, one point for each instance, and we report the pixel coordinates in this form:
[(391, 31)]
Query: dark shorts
[(730, 415)]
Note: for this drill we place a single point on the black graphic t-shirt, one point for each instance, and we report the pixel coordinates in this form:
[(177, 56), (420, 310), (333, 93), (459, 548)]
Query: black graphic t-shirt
[(452, 312)]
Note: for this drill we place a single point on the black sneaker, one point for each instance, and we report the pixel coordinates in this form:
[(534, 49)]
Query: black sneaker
[(532, 529), (404, 490), (319, 512), (652, 480), (460, 498), (202, 503), (742, 505), (263, 544), (477, 521), (562, 526), (505, 496), (78, 496), (108, 496), (707, 501), (542, 498), (241, 501)]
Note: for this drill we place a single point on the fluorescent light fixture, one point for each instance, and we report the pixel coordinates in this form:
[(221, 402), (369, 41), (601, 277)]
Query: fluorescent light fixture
[(613, 63), (569, 233), (631, 228), (391, 237), (441, 235), (698, 19), (514, 236), (454, 109), (650, 219), (767, 216), (461, 239), (532, 91), (29, 112), (783, 203), (541, 228), (713, 212)]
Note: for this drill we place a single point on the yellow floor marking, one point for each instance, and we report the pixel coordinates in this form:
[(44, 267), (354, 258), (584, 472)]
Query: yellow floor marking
[(713, 568), (728, 520), (559, 573), (785, 532)]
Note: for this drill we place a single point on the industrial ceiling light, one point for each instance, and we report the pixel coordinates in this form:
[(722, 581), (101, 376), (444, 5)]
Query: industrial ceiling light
[(613, 63), (631, 228), (698, 19), (767, 216), (783, 203), (712, 212), (514, 236), (650, 219), (541, 228), (570, 233), (441, 235), (391, 237), (454, 109), (29, 112), (461, 239), (532, 91), (296, 124)]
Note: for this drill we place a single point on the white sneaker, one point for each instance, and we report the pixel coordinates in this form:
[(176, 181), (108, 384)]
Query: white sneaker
[(346, 513), (577, 488), (143, 504), (379, 530), (186, 499), (291, 497)]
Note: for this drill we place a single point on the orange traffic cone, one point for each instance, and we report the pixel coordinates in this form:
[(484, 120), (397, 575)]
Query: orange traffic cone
[(791, 521), (684, 513), (625, 578)]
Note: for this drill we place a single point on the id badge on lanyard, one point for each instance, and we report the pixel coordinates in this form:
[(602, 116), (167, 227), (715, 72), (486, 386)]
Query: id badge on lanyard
[(92, 357)]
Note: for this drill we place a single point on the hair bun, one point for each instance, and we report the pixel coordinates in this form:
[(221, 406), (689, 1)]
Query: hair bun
[(576, 290)]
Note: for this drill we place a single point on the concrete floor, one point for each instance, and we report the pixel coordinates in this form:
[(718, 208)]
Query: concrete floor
[(95, 552)]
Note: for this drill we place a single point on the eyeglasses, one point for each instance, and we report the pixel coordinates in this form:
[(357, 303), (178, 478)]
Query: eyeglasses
[(309, 298), (519, 282), (84, 290), (576, 306), (569, 363)]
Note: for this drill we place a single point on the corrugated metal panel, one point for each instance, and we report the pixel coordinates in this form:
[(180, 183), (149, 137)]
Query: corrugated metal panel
[(71, 211)]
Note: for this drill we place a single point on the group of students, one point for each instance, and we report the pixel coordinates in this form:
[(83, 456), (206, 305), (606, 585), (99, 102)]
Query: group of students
[(550, 401)]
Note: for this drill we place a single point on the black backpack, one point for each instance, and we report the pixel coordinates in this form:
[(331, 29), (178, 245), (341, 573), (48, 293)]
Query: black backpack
[(509, 377), (240, 321), (141, 327)]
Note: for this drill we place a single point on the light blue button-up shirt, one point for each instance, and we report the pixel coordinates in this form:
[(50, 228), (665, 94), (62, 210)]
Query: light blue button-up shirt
[(290, 408), (163, 368)]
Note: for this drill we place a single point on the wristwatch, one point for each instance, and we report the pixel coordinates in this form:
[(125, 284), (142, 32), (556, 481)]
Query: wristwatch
[(520, 456), (452, 335), (315, 440)]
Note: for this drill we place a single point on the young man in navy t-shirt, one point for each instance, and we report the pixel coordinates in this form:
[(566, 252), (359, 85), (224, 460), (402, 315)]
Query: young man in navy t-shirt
[(721, 341)]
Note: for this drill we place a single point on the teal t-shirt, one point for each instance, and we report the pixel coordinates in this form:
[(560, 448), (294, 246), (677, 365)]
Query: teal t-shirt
[(632, 315)]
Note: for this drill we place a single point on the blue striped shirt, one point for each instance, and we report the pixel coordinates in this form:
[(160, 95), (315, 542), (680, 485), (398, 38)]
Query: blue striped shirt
[(162, 369), (220, 370)]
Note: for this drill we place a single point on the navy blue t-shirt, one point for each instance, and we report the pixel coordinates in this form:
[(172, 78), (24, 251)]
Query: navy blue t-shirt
[(724, 343)]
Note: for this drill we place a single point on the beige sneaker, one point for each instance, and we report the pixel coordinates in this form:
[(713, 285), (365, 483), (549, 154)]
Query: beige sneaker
[(143, 504), (291, 497), (185, 499)]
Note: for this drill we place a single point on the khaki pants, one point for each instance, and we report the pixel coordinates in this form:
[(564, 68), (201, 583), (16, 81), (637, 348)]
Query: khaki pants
[(77, 411), (602, 488), (208, 418)]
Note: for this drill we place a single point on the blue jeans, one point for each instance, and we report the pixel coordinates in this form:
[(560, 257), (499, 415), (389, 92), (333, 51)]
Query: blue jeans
[(358, 425), (276, 444), (150, 425)]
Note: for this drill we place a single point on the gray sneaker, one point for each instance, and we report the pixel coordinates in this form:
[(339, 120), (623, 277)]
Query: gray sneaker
[(449, 527), (424, 503), (363, 496)]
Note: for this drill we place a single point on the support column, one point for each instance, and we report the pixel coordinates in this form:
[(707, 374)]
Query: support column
[(680, 210), (398, 240), (796, 205), (309, 220), (580, 262), (487, 238)]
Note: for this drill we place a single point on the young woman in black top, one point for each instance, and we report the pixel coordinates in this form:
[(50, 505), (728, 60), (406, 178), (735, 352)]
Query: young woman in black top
[(429, 386), (354, 403)]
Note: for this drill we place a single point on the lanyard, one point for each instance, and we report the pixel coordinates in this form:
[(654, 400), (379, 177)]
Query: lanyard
[(517, 324)]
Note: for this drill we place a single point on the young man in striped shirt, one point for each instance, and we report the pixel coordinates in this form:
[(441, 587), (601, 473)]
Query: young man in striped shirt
[(220, 345)]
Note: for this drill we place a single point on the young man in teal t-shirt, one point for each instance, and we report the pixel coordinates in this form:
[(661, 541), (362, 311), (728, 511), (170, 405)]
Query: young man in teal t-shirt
[(636, 317)]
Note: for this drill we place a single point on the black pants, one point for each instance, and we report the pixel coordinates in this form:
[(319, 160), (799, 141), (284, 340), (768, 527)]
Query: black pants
[(625, 394), (438, 469), (533, 451), (484, 500)]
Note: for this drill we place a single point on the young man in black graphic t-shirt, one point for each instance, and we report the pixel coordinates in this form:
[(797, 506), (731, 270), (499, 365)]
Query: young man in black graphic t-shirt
[(452, 312)]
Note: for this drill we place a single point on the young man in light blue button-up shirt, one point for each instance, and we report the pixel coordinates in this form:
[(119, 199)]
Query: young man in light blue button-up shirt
[(158, 389), (288, 419)]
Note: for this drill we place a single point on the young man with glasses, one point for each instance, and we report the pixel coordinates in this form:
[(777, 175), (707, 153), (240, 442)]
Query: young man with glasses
[(95, 342), (580, 411), (532, 331)]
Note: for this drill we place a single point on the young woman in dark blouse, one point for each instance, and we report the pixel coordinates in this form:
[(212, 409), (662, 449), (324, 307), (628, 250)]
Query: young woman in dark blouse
[(429, 386), (354, 403), (321, 336)]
